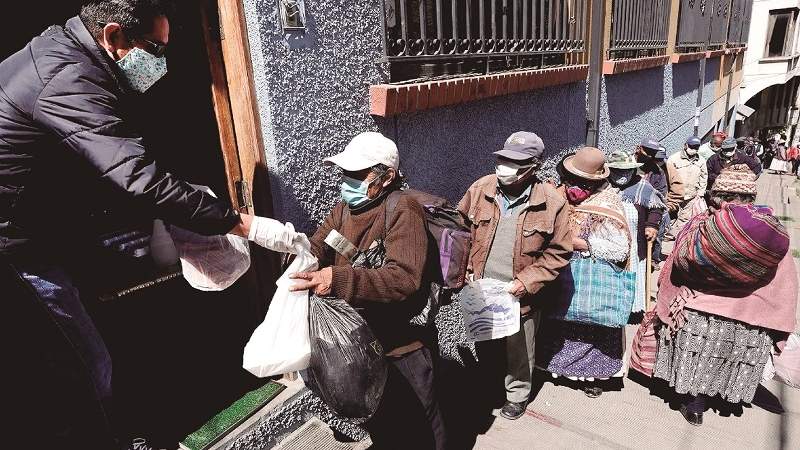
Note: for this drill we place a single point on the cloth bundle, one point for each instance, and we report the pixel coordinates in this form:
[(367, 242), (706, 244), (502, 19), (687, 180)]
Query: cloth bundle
[(739, 245)]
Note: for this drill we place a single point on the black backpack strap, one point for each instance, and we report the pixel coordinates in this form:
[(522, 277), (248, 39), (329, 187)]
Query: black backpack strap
[(391, 205)]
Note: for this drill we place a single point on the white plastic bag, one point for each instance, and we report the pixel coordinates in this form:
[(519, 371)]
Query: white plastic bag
[(281, 343), (211, 263), (787, 364), (489, 310)]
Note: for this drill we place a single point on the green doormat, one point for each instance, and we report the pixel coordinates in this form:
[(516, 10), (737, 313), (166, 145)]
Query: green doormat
[(231, 417)]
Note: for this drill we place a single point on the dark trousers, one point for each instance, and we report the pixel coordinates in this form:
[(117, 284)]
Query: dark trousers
[(58, 368), (695, 404), (408, 416), (795, 164)]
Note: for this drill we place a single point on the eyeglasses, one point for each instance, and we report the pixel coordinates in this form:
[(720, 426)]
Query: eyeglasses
[(156, 49)]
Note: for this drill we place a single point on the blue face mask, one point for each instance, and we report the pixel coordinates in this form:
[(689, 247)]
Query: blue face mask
[(354, 192)]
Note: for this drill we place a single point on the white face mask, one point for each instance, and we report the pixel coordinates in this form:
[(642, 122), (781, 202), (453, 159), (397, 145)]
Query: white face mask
[(142, 69), (691, 151), (507, 172), (621, 177)]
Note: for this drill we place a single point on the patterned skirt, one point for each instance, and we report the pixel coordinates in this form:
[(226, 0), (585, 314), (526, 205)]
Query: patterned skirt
[(713, 355), (573, 349)]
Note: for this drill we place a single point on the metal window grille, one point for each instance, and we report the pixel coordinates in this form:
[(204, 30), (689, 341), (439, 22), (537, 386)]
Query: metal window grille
[(428, 39), (639, 28), (703, 24), (739, 25)]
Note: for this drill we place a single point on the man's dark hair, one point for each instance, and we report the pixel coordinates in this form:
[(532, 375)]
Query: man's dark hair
[(134, 16)]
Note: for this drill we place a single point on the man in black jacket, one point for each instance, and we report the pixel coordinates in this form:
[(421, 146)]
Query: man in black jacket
[(64, 135)]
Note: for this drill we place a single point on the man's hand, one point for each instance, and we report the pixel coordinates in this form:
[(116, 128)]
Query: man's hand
[(243, 227), (319, 281), (517, 289), (650, 233)]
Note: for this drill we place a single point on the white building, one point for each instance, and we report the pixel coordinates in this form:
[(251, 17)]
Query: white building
[(768, 95)]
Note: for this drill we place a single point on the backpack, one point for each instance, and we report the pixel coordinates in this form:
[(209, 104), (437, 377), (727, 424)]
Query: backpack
[(447, 229), (449, 242)]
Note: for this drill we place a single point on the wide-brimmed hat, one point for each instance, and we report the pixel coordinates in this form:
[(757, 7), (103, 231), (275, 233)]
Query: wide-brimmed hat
[(623, 160), (738, 179), (588, 163)]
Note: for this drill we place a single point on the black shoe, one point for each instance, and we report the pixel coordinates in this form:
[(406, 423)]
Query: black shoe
[(593, 392), (513, 410), (693, 418)]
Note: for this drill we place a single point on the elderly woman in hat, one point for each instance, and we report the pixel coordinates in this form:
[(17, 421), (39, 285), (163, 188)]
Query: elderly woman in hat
[(583, 351), (648, 211), (727, 298)]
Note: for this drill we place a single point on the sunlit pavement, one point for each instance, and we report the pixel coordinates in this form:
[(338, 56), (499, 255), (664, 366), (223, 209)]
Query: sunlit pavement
[(561, 417)]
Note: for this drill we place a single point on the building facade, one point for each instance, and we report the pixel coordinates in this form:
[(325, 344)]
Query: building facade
[(768, 98), (450, 95)]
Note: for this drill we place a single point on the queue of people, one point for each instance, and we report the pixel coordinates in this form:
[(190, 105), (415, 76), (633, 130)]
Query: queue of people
[(554, 245)]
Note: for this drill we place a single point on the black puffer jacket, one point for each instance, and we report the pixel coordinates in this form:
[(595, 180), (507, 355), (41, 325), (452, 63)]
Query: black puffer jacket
[(64, 136)]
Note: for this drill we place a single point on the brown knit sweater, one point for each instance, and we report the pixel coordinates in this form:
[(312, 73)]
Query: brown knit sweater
[(387, 297)]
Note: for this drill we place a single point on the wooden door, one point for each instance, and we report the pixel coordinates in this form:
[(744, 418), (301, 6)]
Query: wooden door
[(236, 110)]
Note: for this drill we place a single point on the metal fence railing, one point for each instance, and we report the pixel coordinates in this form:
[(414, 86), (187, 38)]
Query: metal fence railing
[(439, 38), (639, 28), (713, 24), (739, 24)]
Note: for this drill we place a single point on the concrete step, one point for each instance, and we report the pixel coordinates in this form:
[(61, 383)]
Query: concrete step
[(295, 415)]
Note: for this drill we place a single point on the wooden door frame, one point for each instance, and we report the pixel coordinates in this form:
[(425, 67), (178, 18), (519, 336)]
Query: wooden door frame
[(237, 115), (239, 124)]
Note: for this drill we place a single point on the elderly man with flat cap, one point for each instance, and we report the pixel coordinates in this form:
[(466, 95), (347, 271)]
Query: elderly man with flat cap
[(694, 171), (520, 234)]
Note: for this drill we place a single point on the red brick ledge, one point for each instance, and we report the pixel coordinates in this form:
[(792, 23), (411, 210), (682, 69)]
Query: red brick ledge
[(715, 53), (387, 100), (678, 58), (615, 66)]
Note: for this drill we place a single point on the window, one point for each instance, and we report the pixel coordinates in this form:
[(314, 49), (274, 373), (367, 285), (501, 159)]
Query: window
[(428, 39), (780, 32)]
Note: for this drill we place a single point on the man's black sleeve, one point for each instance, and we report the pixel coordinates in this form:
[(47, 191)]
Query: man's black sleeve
[(80, 109)]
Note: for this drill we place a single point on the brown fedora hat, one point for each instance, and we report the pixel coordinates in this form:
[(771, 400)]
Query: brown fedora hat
[(588, 163)]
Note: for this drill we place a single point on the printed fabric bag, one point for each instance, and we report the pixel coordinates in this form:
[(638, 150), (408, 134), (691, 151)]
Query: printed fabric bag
[(596, 292), (645, 345)]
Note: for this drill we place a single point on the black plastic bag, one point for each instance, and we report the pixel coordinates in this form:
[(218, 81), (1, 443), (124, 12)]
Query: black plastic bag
[(348, 368)]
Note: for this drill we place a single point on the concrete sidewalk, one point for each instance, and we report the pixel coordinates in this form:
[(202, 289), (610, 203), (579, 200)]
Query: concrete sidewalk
[(561, 417)]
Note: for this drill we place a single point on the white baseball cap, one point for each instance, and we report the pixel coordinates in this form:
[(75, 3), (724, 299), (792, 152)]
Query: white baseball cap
[(366, 150)]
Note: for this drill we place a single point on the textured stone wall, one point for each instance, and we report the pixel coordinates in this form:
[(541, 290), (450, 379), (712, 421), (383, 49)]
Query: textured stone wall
[(658, 103)]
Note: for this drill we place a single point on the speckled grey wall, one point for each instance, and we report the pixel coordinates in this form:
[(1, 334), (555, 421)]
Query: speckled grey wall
[(312, 92), (658, 103), (444, 150)]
